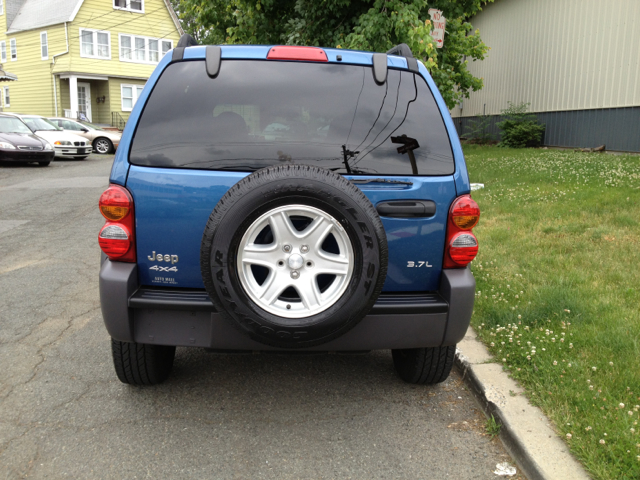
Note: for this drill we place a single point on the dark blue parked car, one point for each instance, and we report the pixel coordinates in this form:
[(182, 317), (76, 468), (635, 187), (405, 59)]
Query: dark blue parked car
[(288, 198)]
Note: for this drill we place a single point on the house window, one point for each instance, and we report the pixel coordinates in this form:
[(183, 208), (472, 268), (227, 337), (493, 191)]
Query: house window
[(130, 94), (1, 7), (44, 46), (131, 5), (95, 44), (7, 103), (143, 49), (14, 49), (166, 46), (3, 52)]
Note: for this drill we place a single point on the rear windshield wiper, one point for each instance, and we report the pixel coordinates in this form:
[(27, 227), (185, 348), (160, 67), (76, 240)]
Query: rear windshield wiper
[(380, 180)]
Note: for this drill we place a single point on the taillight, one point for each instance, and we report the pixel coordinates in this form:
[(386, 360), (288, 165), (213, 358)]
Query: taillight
[(117, 237), (462, 244)]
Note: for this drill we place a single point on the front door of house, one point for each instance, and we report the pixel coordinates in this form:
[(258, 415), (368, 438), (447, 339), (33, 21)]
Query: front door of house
[(84, 101)]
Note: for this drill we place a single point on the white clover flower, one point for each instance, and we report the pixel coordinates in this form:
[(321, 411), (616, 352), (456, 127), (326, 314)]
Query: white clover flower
[(588, 381), (594, 368), (630, 413), (568, 436), (562, 340), (519, 316), (590, 387), (611, 364), (602, 442), (569, 365), (632, 430), (571, 345), (504, 359), (544, 349), (621, 405), (493, 344), (528, 357), (555, 362)]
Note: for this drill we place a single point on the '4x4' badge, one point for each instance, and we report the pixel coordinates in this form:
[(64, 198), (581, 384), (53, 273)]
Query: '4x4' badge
[(163, 269)]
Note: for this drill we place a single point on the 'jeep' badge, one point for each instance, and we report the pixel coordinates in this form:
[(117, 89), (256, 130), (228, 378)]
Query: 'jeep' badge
[(163, 258)]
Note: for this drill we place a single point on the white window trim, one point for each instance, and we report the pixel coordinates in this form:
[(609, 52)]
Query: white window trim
[(4, 97), (13, 42), (128, 9), (95, 43), (134, 99), (46, 43), (146, 48), (3, 51), (1, 7)]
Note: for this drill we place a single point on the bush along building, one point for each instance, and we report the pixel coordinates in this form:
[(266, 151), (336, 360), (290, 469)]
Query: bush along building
[(82, 58), (576, 62)]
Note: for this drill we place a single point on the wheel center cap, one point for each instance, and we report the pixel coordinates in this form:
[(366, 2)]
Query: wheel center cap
[(295, 261)]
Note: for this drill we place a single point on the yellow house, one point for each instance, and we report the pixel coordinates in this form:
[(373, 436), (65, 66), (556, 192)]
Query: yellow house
[(82, 57)]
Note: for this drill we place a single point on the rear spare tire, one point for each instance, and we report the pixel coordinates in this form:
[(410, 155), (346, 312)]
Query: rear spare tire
[(294, 256)]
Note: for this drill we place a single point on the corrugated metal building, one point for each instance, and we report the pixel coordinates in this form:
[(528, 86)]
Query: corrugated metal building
[(576, 61)]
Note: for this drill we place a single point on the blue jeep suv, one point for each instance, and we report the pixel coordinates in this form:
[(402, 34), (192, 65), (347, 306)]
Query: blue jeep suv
[(287, 198)]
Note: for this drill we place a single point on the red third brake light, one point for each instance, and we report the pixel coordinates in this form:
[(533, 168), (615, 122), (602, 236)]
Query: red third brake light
[(462, 244), (309, 54), (117, 237)]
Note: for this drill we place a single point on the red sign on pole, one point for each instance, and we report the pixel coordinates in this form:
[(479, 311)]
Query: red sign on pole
[(439, 23)]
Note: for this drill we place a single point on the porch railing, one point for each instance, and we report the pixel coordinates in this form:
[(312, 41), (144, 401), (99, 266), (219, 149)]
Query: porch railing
[(117, 121)]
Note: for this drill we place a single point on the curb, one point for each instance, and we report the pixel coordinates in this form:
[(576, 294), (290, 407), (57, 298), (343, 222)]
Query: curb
[(526, 432)]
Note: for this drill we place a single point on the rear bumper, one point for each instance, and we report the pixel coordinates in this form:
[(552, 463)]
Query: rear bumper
[(188, 318)]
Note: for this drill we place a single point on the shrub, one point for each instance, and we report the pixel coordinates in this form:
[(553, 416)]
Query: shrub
[(477, 130), (519, 128)]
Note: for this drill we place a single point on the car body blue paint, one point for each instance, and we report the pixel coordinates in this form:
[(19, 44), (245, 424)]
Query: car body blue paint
[(172, 206)]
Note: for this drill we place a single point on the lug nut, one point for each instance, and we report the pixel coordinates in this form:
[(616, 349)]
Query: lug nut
[(295, 274), (304, 248), (286, 248)]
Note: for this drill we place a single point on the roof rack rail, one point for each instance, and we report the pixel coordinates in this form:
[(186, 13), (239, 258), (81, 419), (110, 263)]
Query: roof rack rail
[(186, 40), (403, 50)]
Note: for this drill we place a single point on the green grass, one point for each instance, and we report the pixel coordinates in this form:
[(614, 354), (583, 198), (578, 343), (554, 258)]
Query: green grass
[(558, 291), (492, 427)]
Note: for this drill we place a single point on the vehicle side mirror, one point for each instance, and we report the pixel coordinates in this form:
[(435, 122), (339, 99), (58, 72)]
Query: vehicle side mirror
[(84, 130)]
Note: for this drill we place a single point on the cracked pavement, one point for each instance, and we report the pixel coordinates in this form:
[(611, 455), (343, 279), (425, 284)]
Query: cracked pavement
[(64, 414)]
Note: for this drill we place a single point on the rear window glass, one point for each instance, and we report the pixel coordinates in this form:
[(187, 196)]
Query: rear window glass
[(261, 113)]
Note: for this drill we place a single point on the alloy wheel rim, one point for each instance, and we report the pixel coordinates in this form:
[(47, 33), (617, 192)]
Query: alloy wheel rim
[(102, 146), (295, 261)]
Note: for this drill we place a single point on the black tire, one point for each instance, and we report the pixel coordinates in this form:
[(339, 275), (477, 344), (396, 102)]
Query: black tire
[(274, 187), (102, 145), (424, 366), (44, 164), (140, 364)]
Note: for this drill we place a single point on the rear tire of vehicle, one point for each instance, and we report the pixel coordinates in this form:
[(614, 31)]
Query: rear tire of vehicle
[(424, 366), (44, 164), (140, 364), (356, 226), (102, 145)]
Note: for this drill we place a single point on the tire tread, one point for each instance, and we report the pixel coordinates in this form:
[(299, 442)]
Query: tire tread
[(140, 364)]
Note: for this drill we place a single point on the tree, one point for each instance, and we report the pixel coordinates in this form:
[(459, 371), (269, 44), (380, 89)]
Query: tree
[(375, 25)]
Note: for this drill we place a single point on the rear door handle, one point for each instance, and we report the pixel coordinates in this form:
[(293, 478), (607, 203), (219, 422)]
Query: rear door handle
[(407, 208)]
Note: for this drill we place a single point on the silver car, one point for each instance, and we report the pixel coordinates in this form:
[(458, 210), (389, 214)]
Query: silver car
[(103, 141)]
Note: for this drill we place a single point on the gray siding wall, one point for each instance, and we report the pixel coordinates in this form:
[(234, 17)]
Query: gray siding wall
[(617, 128), (558, 55)]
